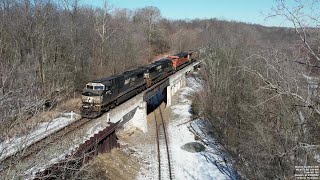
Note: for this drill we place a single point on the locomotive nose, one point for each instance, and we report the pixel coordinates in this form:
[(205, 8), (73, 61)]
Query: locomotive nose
[(146, 75)]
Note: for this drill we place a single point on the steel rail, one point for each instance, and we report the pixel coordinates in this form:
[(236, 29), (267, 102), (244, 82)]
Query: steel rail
[(166, 140), (158, 128)]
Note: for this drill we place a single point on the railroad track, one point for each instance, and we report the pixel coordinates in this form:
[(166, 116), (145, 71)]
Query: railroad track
[(14, 160), (164, 163)]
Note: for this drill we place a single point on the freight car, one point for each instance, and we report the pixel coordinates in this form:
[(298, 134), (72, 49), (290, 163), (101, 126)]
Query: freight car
[(100, 95)]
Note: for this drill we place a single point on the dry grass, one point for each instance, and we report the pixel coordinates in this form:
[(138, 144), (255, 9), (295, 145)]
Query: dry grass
[(27, 124), (115, 165), (72, 104)]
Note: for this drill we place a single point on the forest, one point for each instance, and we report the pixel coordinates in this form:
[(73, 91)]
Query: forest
[(260, 83)]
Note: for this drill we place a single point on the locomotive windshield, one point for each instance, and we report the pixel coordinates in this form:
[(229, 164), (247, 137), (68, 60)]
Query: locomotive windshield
[(98, 88), (95, 86), (89, 87)]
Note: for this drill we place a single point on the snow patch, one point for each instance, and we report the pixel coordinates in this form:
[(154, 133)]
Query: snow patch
[(208, 164), (96, 128), (44, 129)]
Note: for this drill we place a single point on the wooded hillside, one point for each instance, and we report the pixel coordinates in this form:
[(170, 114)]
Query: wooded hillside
[(261, 82)]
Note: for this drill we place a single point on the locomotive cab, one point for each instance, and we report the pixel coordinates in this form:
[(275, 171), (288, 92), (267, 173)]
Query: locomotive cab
[(100, 95), (92, 93)]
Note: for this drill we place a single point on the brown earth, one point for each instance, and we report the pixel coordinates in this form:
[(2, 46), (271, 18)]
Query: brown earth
[(117, 164)]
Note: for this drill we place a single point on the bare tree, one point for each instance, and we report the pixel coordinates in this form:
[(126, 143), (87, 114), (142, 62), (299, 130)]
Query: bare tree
[(304, 16)]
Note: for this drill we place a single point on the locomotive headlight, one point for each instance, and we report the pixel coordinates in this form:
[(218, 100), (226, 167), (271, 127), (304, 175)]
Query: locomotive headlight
[(90, 100), (146, 75)]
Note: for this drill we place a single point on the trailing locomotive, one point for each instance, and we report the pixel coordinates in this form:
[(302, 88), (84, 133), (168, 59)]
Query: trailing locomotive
[(157, 71), (180, 59), (100, 95)]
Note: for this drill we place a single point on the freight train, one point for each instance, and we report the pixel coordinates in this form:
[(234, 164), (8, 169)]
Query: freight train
[(103, 94)]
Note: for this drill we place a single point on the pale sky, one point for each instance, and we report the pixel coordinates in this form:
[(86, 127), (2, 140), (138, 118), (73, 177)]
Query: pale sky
[(250, 11)]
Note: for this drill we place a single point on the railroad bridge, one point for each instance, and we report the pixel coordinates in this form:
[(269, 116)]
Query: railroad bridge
[(135, 114), (98, 135), (132, 113)]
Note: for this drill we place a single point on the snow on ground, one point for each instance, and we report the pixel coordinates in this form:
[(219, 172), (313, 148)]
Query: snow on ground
[(148, 154), (61, 149), (208, 164), (43, 130), (57, 156), (145, 149)]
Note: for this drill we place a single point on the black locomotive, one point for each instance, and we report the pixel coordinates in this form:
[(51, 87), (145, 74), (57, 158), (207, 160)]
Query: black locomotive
[(100, 95)]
